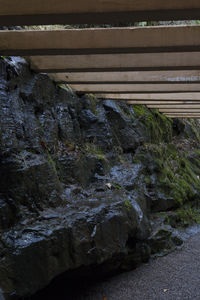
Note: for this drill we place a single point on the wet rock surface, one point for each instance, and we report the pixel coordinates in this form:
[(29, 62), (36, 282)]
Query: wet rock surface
[(172, 277), (80, 179)]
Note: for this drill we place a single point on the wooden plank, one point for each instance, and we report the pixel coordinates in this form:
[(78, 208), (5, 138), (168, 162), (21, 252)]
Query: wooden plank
[(32, 12), (179, 110), (100, 41), (116, 62), (150, 96), (128, 77), (159, 103), (181, 106), (137, 88), (182, 115)]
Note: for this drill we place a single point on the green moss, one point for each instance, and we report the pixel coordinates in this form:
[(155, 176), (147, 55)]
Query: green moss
[(177, 176), (64, 87), (125, 111), (100, 156), (116, 186), (139, 158), (94, 149), (158, 127), (147, 180), (127, 204), (187, 215), (93, 103), (52, 163), (194, 129), (140, 110), (197, 151)]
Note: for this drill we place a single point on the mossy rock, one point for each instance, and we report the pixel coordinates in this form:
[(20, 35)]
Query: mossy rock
[(157, 126), (178, 175)]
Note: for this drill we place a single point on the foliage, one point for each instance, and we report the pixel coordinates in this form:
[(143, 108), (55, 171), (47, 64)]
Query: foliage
[(127, 204), (94, 149), (157, 126), (187, 216), (178, 174)]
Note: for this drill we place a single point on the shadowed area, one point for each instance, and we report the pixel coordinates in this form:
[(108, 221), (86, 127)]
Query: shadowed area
[(175, 276)]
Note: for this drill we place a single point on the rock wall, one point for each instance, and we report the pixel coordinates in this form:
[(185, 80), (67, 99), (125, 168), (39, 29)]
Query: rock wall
[(81, 179)]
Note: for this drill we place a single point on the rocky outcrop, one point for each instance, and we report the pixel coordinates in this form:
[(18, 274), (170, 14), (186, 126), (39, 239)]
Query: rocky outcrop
[(81, 178)]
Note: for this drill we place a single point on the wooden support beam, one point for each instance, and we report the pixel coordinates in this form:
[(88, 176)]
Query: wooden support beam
[(182, 115), (116, 62), (127, 77), (151, 97), (34, 12), (160, 103), (137, 88), (181, 106), (180, 110), (100, 41)]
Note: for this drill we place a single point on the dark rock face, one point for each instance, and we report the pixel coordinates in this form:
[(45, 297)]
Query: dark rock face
[(80, 178)]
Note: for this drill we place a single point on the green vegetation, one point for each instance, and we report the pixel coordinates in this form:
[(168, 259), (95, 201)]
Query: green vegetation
[(52, 163), (187, 215), (184, 216), (64, 87), (93, 149), (157, 126), (178, 175), (125, 111), (116, 186), (127, 204), (93, 103), (193, 130)]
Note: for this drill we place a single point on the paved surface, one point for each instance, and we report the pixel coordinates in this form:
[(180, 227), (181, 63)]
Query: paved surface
[(173, 277)]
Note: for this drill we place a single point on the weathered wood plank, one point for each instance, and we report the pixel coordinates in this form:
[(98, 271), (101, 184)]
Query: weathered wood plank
[(181, 106), (100, 41), (182, 115), (160, 103), (128, 77), (116, 62), (180, 110), (149, 96), (137, 88), (32, 12)]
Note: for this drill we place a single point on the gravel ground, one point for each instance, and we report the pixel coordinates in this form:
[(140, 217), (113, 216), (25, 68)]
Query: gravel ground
[(173, 277)]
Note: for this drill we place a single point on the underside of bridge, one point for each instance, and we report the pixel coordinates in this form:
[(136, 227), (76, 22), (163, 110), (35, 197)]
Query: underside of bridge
[(95, 176), (157, 66)]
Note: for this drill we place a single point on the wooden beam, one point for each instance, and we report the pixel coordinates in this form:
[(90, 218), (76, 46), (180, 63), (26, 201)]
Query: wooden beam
[(180, 110), (182, 115), (127, 77), (159, 103), (116, 62), (181, 106), (100, 41), (137, 88), (150, 96), (34, 12)]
